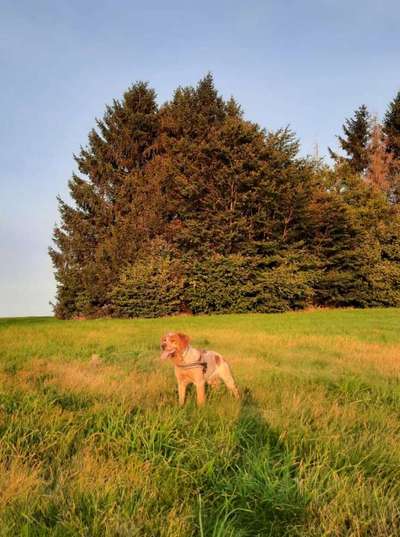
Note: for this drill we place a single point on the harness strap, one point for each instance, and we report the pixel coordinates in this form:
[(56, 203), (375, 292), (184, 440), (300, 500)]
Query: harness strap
[(188, 348), (195, 364)]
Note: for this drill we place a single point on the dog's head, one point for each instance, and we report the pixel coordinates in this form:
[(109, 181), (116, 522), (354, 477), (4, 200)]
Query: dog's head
[(173, 344)]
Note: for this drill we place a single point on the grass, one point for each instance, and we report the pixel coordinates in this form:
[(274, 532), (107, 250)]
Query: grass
[(312, 449)]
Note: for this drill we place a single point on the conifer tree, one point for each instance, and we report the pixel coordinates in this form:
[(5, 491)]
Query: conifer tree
[(383, 171), (249, 187), (346, 214), (104, 227), (391, 126), (355, 140)]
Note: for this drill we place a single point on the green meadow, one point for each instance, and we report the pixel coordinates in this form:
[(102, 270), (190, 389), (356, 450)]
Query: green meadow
[(100, 448)]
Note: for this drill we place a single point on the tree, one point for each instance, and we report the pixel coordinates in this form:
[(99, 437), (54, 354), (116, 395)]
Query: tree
[(114, 204), (353, 234), (383, 172), (380, 160), (391, 127), (249, 186), (355, 140)]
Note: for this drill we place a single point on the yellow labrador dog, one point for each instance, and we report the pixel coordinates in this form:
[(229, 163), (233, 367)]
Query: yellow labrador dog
[(194, 366)]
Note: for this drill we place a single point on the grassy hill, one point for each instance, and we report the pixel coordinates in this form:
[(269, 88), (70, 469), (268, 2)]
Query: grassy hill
[(312, 449)]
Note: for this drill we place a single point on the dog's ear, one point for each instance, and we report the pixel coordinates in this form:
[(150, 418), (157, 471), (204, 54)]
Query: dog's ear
[(184, 340)]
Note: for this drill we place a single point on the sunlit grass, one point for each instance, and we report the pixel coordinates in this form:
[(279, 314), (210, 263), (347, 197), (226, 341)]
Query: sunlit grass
[(101, 449)]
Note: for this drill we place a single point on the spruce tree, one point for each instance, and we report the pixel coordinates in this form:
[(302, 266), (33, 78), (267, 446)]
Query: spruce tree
[(391, 127), (354, 234), (229, 186), (111, 215), (355, 141)]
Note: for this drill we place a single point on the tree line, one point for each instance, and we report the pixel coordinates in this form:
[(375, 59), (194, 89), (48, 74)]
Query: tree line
[(189, 207)]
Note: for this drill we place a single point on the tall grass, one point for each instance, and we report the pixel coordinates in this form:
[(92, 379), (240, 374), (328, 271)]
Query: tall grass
[(101, 449)]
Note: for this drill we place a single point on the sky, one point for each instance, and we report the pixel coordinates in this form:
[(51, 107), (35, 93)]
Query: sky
[(304, 63)]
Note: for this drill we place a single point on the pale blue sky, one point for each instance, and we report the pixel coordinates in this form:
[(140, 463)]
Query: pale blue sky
[(304, 63)]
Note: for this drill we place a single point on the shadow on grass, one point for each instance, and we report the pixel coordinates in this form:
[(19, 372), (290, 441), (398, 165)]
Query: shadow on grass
[(257, 494)]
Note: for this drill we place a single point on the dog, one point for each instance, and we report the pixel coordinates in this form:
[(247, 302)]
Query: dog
[(194, 366)]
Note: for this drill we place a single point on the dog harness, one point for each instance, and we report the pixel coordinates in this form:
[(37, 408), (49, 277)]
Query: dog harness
[(198, 363)]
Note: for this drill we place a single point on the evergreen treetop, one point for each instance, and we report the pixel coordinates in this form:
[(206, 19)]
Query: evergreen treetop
[(391, 126), (355, 141)]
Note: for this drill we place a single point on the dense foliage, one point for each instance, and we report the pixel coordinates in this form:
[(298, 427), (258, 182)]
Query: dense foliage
[(189, 207)]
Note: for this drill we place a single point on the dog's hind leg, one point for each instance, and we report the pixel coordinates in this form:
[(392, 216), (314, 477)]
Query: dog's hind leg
[(214, 381), (226, 375)]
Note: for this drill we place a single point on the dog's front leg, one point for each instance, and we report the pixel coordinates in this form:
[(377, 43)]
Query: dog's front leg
[(181, 392), (201, 393)]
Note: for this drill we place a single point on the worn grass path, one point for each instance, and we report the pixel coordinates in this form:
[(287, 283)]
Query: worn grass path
[(312, 449)]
